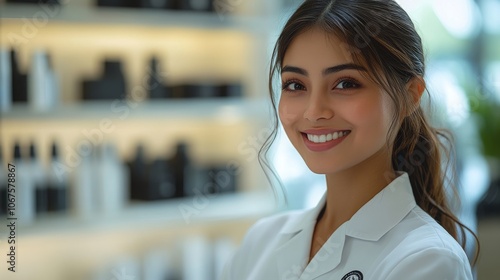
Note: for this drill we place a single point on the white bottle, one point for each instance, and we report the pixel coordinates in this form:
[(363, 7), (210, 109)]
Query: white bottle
[(25, 190), (224, 248), (156, 264), (42, 83), (112, 183), (5, 80), (197, 261), (3, 185), (82, 189)]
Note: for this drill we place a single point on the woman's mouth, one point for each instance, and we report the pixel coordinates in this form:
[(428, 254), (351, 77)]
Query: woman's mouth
[(323, 142)]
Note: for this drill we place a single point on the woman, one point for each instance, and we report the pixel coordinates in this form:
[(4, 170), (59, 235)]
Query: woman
[(352, 78)]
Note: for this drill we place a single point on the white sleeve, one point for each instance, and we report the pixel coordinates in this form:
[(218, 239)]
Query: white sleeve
[(431, 264)]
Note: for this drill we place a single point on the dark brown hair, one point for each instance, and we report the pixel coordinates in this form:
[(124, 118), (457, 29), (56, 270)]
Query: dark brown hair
[(380, 35)]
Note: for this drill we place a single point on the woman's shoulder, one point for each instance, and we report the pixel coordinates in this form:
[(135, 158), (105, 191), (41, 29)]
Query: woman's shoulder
[(422, 247), (260, 240), (274, 224)]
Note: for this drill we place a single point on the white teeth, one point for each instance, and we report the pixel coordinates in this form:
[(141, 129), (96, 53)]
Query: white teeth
[(326, 137)]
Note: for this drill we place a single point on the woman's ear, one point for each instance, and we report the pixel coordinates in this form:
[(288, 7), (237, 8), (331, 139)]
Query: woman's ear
[(415, 87)]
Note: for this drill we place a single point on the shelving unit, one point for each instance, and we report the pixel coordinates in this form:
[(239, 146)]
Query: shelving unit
[(191, 46), (173, 213), (145, 17), (212, 110)]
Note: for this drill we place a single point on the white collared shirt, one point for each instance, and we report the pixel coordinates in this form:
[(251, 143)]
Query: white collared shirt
[(389, 238)]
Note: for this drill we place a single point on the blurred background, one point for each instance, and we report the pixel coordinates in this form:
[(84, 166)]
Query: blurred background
[(134, 128)]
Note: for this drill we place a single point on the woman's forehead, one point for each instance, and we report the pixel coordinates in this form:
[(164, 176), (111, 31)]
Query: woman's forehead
[(316, 48)]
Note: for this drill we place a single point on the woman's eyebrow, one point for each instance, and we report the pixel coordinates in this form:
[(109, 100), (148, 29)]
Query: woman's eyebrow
[(329, 70)]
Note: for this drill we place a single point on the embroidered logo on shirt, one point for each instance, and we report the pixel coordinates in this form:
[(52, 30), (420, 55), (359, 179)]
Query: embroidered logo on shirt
[(353, 275)]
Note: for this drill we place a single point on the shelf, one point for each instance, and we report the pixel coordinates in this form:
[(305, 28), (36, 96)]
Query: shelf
[(146, 215), (130, 16), (216, 109)]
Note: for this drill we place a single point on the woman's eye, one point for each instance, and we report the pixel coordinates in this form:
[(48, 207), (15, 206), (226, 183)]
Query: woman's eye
[(347, 84), (292, 86)]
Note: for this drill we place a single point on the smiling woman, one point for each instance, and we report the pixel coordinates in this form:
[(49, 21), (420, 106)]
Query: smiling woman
[(352, 78)]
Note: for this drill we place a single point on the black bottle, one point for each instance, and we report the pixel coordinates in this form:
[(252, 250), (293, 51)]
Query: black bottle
[(3, 185), (155, 86), (158, 4), (138, 175), (161, 181), (111, 86), (224, 179), (195, 5), (180, 163), (110, 3), (19, 81), (489, 204), (51, 2), (57, 186), (41, 197)]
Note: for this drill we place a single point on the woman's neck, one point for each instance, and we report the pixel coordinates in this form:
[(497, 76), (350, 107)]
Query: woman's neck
[(350, 189)]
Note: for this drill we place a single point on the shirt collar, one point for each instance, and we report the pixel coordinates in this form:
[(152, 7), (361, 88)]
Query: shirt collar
[(373, 220)]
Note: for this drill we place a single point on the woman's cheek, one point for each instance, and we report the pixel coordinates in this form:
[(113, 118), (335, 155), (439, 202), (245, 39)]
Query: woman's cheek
[(288, 112)]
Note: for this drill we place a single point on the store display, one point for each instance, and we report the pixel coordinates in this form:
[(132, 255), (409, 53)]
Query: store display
[(84, 189), (57, 184), (5, 80), (19, 80), (110, 86)]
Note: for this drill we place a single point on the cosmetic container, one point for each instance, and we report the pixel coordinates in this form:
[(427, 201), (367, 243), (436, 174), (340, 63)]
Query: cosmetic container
[(112, 192), (110, 86), (5, 80), (51, 2), (19, 81), (82, 193), (224, 180), (195, 5), (57, 183), (158, 4), (42, 83), (3, 185), (180, 162), (230, 90), (25, 190), (224, 248), (155, 86), (38, 175), (138, 174), (197, 258), (162, 181)]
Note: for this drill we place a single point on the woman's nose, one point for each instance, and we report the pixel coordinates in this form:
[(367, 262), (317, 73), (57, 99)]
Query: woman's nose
[(318, 107)]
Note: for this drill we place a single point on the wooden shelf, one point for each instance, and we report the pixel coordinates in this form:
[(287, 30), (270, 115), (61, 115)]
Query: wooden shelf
[(216, 109), (131, 16), (144, 215)]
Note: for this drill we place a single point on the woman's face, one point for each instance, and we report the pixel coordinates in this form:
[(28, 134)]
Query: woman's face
[(334, 116)]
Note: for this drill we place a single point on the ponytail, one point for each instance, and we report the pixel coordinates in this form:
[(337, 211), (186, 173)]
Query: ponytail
[(417, 151)]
